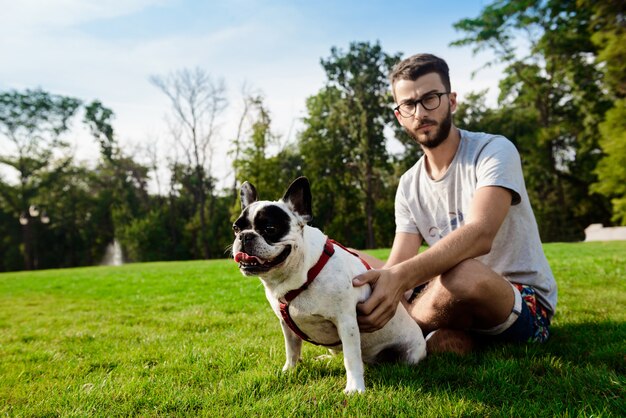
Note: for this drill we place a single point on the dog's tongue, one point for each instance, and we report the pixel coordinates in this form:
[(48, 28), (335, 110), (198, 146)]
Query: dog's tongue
[(241, 256)]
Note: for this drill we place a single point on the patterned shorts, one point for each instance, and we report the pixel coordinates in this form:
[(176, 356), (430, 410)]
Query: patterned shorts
[(533, 324)]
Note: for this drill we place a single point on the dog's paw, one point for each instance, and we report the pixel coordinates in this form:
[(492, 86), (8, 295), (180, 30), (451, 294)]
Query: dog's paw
[(354, 385), (289, 366), (352, 389)]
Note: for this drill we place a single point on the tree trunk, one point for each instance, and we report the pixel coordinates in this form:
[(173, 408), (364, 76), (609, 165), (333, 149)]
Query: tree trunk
[(206, 253), (28, 247), (369, 209)]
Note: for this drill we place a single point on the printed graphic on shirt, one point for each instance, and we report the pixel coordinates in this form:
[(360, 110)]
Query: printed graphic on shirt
[(456, 220)]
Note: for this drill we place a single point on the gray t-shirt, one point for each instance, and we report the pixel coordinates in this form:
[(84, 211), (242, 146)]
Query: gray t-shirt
[(435, 208)]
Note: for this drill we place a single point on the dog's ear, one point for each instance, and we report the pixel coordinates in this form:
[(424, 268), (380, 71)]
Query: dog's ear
[(247, 194), (298, 195)]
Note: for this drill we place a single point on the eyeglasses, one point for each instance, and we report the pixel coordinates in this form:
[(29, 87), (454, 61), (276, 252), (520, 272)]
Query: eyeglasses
[(431, 101)]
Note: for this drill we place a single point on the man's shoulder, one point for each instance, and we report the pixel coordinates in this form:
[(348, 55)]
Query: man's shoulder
[(479, 142), (481, 137), (412, 172)]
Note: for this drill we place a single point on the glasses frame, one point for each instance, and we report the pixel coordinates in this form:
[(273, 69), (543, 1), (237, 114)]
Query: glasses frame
[(420, 102)]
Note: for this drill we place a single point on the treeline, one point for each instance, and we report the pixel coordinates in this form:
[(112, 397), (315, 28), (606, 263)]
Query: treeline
[(562, 102)]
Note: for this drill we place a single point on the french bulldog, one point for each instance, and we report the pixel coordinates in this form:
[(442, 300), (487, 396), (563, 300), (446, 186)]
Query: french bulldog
[(308, 283)]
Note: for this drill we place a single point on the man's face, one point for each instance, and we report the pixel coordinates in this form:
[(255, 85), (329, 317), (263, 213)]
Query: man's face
[(428, 127)]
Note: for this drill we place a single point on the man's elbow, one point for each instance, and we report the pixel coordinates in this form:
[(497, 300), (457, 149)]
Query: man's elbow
[(484, 244), (483, 248)]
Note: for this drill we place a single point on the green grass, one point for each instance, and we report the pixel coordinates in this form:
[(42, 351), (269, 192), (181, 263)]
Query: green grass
[(198, 339)]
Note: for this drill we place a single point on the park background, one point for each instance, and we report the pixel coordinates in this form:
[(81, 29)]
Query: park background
[(135, 121)]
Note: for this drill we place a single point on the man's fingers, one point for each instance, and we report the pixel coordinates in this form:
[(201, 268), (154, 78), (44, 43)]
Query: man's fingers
[(373, 314), (370, 276), (367, 306), (373, 322), (376, 311)]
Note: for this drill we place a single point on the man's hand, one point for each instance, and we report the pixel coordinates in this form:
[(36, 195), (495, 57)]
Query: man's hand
[(381, 306)]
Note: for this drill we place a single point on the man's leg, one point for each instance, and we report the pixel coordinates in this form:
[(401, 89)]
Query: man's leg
[(469, 296)]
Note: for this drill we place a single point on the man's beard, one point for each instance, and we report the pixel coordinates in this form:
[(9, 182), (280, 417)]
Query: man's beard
[(441, 132)]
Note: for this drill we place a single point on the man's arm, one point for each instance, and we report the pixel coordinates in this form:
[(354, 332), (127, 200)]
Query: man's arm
[(489, 207), (404, 247)]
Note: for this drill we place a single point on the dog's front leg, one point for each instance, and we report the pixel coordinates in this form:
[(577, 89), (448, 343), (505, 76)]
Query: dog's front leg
[(293, 346), (350, 336)]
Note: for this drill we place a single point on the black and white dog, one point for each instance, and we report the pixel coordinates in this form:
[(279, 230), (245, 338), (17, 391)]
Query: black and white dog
[(308, 283)]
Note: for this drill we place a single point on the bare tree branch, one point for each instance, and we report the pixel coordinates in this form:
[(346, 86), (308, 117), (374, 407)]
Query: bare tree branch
[(196, 102)]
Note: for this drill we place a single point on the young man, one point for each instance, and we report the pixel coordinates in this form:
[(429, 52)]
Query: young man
[(484, 273)]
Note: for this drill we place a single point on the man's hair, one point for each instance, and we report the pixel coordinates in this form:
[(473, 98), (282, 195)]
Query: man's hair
[(415, 66)]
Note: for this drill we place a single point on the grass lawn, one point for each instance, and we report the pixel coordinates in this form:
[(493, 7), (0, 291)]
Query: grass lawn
[(198, 339)]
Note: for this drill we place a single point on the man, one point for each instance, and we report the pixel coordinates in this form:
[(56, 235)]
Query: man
[(484, 273)]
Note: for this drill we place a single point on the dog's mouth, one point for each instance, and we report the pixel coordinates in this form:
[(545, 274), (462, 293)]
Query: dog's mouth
[(255, 265)]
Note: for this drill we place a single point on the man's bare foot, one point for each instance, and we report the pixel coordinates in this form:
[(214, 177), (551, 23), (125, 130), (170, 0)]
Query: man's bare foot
[(450, 341)]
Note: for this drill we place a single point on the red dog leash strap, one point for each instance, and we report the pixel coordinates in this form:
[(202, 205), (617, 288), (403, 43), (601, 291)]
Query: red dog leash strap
[(328, 252), (284, 312), (367, 266)]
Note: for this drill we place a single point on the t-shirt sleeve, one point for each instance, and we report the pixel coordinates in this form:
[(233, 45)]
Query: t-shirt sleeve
[(499, 164), (404, 219)]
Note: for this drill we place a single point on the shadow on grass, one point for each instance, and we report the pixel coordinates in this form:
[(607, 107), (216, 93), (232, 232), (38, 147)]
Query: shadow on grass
[(579, 371), (596, 344)]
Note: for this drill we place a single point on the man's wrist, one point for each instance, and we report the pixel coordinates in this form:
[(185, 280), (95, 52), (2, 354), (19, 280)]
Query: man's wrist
[(401, 274)]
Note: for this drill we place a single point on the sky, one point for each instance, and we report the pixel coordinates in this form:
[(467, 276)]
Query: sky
[(108, 50)]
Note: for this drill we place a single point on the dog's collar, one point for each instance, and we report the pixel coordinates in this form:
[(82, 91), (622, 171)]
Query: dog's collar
[(329, 250)]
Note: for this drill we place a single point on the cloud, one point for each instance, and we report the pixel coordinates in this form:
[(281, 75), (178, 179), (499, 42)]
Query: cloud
[(41, 16), (94, 50)]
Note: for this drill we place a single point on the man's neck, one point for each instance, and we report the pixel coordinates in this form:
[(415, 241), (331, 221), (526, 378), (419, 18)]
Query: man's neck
[(439, 159)]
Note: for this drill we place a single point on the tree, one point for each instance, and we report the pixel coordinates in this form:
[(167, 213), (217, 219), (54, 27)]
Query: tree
[(359, 77), (237, 142), (33, 123), (99, 120), (10, 236), (196, 101), (611, 169), (608, 23), (326, 152), (558, 87), (261, 159), (119, 188)]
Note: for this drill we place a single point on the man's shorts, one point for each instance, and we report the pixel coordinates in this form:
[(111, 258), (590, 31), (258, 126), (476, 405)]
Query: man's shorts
[(532, 324)]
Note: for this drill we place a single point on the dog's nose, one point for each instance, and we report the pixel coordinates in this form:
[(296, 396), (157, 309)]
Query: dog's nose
[(246, 237)]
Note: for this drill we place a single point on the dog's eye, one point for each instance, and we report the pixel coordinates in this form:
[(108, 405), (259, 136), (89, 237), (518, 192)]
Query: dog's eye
[(236, 229), (269, 230)]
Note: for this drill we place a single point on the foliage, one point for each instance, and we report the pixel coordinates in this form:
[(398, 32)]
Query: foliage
[(258, 162), (33, 123), (196, 101), (609, 36), (78, 232), (10, 235), (59, 214), (198, 339), (328, 157), (558, 89), (611, 169), (344, 146), (99, 119), (608, 31)]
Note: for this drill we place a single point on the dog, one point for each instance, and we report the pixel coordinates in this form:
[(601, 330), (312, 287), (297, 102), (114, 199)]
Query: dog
[(308, 283)]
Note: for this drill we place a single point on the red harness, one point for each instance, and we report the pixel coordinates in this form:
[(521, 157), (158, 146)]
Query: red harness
[(328, 252)]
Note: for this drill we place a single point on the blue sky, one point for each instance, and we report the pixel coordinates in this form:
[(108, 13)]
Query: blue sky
[(107, 50)]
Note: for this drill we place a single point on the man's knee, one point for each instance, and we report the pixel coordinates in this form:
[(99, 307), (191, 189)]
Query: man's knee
[(470, 295), (467, 280)]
